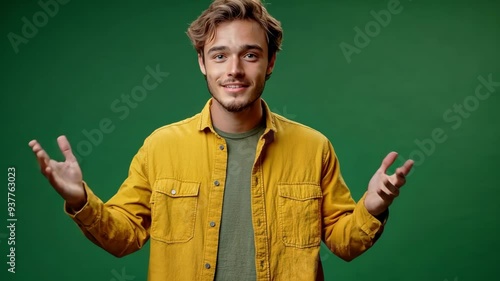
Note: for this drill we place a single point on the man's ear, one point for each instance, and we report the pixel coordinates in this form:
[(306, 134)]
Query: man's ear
[(201, 62), (270, 66)]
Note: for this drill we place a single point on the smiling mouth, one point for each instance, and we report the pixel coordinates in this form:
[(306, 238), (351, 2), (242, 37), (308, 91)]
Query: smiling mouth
[(234, 86)]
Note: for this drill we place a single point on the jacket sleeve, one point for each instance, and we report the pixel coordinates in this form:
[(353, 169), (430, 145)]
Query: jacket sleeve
[(121, 225), (348, 228)]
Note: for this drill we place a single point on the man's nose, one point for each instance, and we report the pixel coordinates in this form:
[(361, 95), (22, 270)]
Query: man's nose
[(235, 67)]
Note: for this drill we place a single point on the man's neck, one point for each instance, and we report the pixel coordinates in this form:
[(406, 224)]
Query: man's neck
[(236, 122)]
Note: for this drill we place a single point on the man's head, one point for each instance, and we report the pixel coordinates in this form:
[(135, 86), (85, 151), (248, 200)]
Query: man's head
[(236, 42)]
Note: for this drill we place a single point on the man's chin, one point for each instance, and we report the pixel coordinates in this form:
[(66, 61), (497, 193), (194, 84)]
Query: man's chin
[(236, 106)]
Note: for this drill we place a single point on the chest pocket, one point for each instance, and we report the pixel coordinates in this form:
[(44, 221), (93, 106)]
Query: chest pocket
[(300, 214), (173, 210)]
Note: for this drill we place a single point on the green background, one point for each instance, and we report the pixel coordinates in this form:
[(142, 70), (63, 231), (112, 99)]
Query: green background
[(392, 94)]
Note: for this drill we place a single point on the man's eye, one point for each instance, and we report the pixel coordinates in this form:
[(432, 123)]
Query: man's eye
[(251, 56), (219, 57)]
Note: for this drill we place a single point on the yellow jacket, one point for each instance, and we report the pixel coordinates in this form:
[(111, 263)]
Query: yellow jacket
[(174, 191)]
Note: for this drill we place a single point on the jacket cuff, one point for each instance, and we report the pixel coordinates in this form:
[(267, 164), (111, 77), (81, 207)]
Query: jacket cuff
[(371, 225), (90, 213)]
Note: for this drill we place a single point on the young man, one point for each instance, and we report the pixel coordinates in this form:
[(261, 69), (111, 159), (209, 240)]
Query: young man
[(235, 192)]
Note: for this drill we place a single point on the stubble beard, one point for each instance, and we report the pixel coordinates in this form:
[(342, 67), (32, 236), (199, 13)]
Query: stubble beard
[(235, 107)]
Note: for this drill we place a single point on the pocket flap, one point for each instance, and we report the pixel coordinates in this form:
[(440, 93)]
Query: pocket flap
[(299, 191), (176, 188)]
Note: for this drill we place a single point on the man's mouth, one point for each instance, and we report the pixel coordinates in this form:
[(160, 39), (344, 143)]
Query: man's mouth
[(234, 86)]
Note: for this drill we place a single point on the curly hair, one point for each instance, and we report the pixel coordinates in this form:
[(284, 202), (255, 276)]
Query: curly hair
[(203, 28)]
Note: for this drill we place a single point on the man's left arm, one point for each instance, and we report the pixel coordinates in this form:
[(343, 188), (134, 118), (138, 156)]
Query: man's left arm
[(350, 228)]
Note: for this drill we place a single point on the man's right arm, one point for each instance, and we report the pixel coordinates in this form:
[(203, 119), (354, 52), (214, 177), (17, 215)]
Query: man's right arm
[(121, 225)]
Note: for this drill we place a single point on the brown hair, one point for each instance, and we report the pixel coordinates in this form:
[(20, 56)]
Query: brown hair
[(203, 28)]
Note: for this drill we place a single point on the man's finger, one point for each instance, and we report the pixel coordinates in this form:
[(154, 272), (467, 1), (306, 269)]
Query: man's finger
[(406, 168), (386, 194), (399, 178), (42, 156), (65, 148), (399, 172), (388, 161), (390, 188), (49, 174)]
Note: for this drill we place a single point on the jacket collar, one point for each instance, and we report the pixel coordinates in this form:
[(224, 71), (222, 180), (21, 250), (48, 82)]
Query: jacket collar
[(205, 120)]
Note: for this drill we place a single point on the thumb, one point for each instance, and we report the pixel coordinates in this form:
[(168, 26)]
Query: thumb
[(388, 161), (65, 147)]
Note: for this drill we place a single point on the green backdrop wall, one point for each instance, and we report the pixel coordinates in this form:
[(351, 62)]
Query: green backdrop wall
[(419, 77)]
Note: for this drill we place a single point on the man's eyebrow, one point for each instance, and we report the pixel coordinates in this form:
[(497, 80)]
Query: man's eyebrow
[(245, 47), (217, 49), (252, 47)]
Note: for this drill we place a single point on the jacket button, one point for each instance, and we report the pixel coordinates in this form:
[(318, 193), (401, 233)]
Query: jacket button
[(217, 183), (212, 223), (221, 147), (173, 191), (207, 265)]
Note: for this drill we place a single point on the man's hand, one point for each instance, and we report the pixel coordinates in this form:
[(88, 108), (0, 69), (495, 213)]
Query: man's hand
[(383, 188), (65, 177)]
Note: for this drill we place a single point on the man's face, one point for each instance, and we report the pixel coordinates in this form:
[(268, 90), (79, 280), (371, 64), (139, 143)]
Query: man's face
[(236, 64)]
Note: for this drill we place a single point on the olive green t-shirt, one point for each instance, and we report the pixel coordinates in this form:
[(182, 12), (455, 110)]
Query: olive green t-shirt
[(236, 254)]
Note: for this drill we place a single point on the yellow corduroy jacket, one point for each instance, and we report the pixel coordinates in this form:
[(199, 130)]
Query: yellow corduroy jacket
[(174, 194)]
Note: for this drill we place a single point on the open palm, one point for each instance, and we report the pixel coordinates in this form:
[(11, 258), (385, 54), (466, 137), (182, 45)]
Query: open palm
[(65, 177)]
